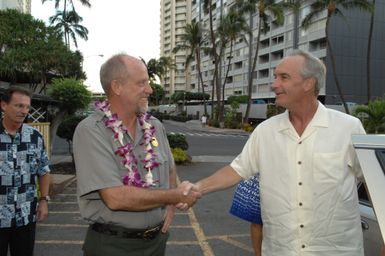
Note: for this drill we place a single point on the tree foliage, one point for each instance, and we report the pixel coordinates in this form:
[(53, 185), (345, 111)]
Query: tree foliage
[(67, 128), (71, 94), (334, 8), (189, 96), (68, 20), (69, 24), (238, 98), (159, 67), (33, 53), (372, 115), (157, 94)]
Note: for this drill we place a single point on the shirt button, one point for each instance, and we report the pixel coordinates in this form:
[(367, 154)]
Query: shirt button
[(299, 162), (300, 142), (301, 226), (300, 204), (300, 183), (303, 246)]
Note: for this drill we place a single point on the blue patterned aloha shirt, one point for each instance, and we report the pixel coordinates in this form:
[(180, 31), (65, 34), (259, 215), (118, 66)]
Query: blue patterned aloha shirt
[(22, 160)]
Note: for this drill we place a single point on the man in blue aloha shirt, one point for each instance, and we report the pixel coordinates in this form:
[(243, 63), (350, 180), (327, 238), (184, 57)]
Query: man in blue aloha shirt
[(246, 205), (23, 162)]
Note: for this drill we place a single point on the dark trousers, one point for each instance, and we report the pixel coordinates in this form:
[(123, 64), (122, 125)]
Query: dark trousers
[(98, 244), (20, 240)]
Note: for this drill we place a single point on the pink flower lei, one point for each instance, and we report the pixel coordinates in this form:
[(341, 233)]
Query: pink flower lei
[(133, 177)]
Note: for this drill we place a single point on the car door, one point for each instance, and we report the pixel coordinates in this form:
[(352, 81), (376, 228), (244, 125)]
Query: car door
[(370, 227)]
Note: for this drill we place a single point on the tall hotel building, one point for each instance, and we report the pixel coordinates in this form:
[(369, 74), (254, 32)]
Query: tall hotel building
[(349, 39), (23, 6), (175, 14)]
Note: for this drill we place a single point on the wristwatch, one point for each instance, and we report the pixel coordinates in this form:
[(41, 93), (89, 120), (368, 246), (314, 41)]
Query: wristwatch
[(46, 198)]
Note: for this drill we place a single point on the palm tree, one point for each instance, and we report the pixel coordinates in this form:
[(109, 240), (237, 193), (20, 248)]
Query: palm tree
[(331, 6), (193, 41), (158, 67), (208, 8), (373, 115), (230, 28), (369, 52), (165, 63), (73, 21), (68, 23), (57, 3), (267, 10)]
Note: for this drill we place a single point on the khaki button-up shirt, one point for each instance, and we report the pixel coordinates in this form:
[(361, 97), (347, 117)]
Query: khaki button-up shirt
[(98, 167)]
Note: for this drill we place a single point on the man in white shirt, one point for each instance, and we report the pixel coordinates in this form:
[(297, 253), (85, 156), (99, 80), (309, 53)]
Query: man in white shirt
[(307, 167)]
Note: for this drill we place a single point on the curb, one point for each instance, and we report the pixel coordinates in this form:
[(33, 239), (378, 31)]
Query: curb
[(59, 182)]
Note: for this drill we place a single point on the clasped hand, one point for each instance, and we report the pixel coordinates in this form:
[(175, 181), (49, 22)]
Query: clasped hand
[(190, 195)]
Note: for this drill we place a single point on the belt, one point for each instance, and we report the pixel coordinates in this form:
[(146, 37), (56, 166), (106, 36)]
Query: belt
[(112, 230)]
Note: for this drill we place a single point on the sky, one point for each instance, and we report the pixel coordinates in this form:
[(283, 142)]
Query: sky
[(130, 26)]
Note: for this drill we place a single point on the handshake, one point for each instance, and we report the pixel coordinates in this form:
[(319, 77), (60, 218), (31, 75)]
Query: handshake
[(187, 195)]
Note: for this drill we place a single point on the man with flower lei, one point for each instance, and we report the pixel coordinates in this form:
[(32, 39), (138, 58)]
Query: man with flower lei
[(126, 174)]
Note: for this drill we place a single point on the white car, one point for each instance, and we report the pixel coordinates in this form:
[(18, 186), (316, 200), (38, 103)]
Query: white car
[(370, 151)]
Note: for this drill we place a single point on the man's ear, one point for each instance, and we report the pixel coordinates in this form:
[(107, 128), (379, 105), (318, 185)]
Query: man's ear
[(116, 87), (310, 84), (3, 104)]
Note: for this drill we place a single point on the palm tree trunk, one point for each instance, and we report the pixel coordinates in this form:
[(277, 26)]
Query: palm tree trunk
[(251, 71), (197, 55), (216, 73), (329, 46), (227, 72), (368, 54)]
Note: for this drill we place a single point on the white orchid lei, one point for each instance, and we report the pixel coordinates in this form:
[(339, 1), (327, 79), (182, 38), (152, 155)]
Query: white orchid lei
[(133, 177)]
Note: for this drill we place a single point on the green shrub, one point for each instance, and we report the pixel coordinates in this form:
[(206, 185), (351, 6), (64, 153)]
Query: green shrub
[(177, 140), (180, 156), (248, 127), (273, 110)]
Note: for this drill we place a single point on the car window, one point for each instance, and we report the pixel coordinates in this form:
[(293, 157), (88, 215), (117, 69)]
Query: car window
[(363, 195), (380, 153)]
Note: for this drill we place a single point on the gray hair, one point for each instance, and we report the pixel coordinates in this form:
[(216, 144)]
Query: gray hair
[(313, 67), (114, 68)]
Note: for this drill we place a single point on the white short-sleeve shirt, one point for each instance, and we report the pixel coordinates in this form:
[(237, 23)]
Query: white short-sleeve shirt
[(309, 199)]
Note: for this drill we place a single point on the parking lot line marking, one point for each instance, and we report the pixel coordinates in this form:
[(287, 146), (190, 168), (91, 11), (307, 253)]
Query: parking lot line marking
[(198, 231), (202, 240), (80, 242), (58, 202), (229, 239), (65, 212), (63, 225), (182, 243), (180, 226)]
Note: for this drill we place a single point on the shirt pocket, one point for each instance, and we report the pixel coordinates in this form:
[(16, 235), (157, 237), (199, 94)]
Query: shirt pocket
[(328, 167), (161, 173)]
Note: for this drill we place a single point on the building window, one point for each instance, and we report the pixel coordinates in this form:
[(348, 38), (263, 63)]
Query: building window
[(264, 88), (238, 78), (263, 73), (238, 65), (238, 92), (277, 40), (264, 58), (229, 80), (317, 44), (277, 55), (264, 44)]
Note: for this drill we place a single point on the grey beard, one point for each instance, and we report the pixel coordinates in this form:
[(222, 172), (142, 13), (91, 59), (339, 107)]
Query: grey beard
[(142, 109)]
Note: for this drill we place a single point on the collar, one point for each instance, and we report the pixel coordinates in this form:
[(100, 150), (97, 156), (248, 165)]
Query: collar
[(100, 117), (320, 119), (3, 130)]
